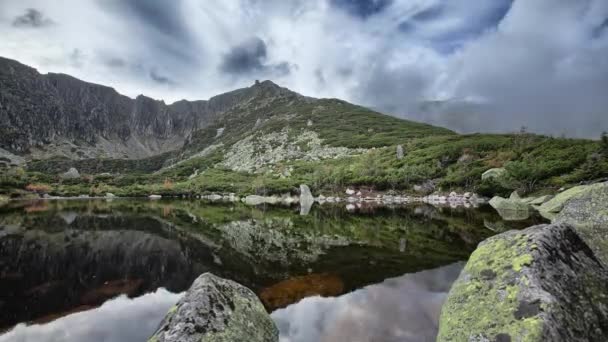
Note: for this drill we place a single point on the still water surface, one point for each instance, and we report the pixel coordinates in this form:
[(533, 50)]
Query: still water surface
[(97, 270)]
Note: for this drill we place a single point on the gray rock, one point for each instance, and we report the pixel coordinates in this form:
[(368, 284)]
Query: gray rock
[(510, 209), (110, 195), (496, 173), (216, 309), (155, 196), (540, 284), (399, 152), (72, 173), (585, 208), (306, 199)]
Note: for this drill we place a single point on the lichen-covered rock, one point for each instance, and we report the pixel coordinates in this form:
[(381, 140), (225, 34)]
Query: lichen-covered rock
[(540, 284), (511, 209), (585, 208), (495, 173), (216, 309), (556, 204), (72, 173)]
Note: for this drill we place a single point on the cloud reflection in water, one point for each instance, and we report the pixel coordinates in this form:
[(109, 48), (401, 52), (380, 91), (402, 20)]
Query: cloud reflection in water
[(404, 309), (117, 320)]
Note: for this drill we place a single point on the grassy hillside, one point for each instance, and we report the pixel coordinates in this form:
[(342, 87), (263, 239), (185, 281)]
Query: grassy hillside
[(280, 139)]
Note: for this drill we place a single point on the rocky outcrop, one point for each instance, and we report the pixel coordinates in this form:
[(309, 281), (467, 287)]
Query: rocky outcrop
[(72, 173), (586, 208), (540, 284), (216, 309)]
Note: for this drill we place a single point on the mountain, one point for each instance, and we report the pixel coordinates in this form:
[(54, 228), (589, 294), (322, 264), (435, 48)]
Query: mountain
[(56, 114), (260, 139)]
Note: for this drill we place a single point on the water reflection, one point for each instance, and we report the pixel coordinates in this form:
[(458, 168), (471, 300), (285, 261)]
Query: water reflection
[(399, 309), (118, 320), (62, 257)]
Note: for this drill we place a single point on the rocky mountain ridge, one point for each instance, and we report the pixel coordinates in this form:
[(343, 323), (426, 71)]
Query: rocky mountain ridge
[(56, 114)]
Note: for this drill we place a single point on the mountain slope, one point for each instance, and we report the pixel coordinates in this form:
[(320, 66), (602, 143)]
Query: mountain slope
[(260, 139), (56, 114)]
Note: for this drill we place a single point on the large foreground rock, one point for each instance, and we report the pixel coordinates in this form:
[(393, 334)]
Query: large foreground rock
[(586, 208), (216, 309), (540, 284)]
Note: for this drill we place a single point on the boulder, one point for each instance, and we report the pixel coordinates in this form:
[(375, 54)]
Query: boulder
[(399, 152), (155, 196), (216, 309), (510, 209), (556, 204), (306, 199), (3, 200), (585, 208), (254, 200), (495, 173), (72, 173), (540, 284), (540, 200), (110, 195)]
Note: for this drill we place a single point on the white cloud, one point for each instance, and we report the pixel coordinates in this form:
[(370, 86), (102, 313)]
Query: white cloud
[(543, 60)]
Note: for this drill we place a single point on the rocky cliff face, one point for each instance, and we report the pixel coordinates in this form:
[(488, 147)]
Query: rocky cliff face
[(56, 114)]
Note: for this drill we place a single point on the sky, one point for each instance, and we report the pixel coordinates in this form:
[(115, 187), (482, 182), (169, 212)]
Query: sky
[(473, 66)]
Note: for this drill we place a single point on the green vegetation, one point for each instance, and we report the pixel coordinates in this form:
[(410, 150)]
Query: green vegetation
[(534, 164)]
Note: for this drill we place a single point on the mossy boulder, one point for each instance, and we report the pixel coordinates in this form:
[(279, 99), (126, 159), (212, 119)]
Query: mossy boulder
[(216, 309), (585, 208), (496, 173), (540, 284), (3, 200)]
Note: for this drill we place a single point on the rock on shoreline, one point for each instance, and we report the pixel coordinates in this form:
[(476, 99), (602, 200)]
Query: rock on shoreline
[(216, 309), (540, 284)]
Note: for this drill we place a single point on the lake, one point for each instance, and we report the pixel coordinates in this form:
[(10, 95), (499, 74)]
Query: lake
[(108, 270)]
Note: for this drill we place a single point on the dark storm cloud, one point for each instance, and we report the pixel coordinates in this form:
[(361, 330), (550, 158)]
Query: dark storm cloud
[(32, 18), (158, 78), (163, 28), (246, 57), (362, 8), (250, 57)]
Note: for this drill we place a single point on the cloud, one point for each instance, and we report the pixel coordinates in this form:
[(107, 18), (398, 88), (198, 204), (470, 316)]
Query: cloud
[(32, 18), (156, 77), (249, 57), (399, 309), (362, 8), (488, 65), (112, 321)]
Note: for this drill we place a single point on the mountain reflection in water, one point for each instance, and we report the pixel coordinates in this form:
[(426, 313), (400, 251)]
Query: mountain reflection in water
[(59, 259)]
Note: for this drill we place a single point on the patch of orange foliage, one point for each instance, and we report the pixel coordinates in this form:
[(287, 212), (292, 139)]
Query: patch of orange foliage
[(294, 289), (39, 188)]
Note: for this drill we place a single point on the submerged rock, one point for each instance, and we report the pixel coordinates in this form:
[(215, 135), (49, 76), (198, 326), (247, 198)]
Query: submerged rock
[(216, 309), (540, 284)]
